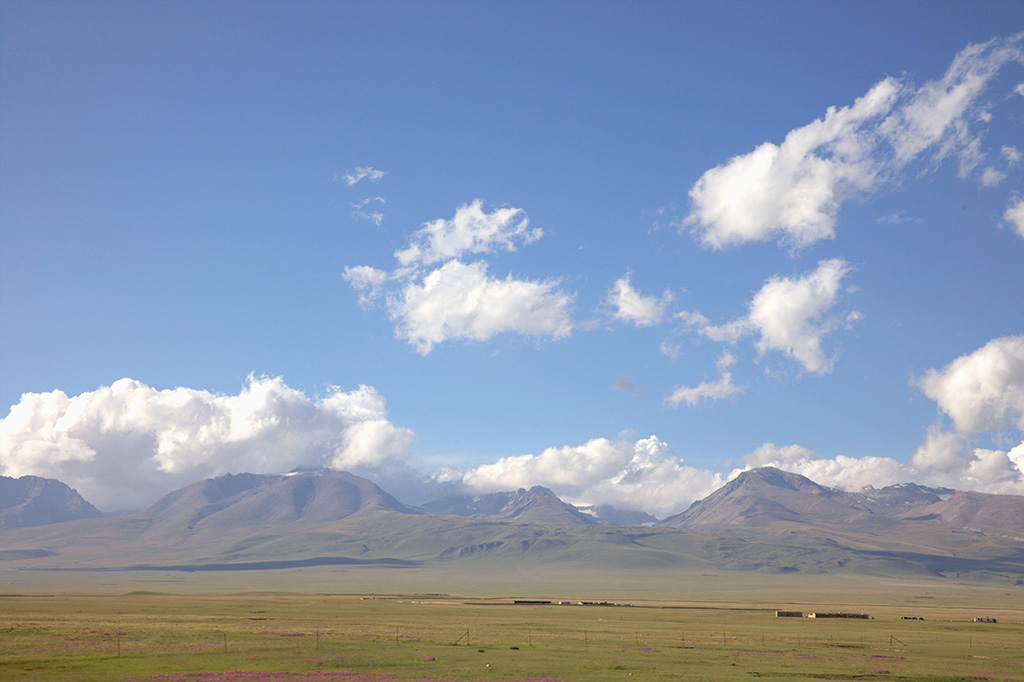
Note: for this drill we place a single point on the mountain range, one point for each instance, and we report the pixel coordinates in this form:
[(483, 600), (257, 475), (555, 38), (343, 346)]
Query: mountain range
[(763, 520)]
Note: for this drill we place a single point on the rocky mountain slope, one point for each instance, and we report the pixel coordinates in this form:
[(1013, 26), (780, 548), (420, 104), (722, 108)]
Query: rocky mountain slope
[(536, 505), (35, 501)]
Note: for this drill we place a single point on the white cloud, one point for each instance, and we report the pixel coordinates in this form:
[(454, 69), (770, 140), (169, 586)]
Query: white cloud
[(672, 351), (460, 301), (366, 280), (122, 446), (792, 192), (370, 209), (898, 218), (990, 177), (983, 390), (944, 459), (358, 173), (1014, 215), (708, 390), (470, 231), (642, 475), (628, 305), (846, 473), (1011, 154), (789, 315), (941, 451), (941, 461)]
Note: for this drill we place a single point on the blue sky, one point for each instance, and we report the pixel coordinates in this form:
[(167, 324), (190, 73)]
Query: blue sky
[(645, 244)]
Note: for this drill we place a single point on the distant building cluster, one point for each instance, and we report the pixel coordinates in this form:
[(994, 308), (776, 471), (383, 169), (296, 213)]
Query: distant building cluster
[(822, 614), (535, 602)]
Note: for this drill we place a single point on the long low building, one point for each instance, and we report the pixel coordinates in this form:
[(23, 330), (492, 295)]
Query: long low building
[(840, 614)]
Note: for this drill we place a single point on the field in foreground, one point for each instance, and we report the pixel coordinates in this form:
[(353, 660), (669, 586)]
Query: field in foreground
[(238, 637)]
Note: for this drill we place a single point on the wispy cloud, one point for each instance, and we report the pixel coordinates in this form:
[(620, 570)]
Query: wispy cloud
[(358, 173), (898, 218), (791, 192), (371, 209), (624, 385), (708, 390)]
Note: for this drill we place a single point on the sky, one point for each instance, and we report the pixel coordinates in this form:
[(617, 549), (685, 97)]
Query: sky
[(623, 250)]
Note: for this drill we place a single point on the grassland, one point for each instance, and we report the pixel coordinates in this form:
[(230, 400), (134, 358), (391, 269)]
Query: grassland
[(723, 628)]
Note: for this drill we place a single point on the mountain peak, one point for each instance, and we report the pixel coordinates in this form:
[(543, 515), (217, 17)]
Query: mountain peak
[(36, 501), (254, 499), (766, 496), (538, 505)]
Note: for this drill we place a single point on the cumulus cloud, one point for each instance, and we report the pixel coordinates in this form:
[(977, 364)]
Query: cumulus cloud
[(942, 461), (941, 451), (642, 475), (789, 315), (430, 303), (847, 473), (628, 305), (122, 446), (791, 192), (472, 230), (990, 177), (982, 393), (1014, 216), (983, 390), (708, 390), (460, 301), (358, 173)]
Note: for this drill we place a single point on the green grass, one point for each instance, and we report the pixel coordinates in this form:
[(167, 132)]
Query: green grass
[(265, 636)]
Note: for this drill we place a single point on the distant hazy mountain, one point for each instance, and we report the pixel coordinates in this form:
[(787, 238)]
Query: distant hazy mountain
[(35, 501), (766, 496), (605, 513), (266, 499), (536, 505), (765, 520), (979, 512)]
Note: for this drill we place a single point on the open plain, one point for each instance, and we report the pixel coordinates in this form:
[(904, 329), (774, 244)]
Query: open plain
[(346, 624)]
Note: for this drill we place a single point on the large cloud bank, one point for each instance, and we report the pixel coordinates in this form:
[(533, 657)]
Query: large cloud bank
[(430, 303), (791, 192), (124, 445), (981, 393), (642, 475)]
